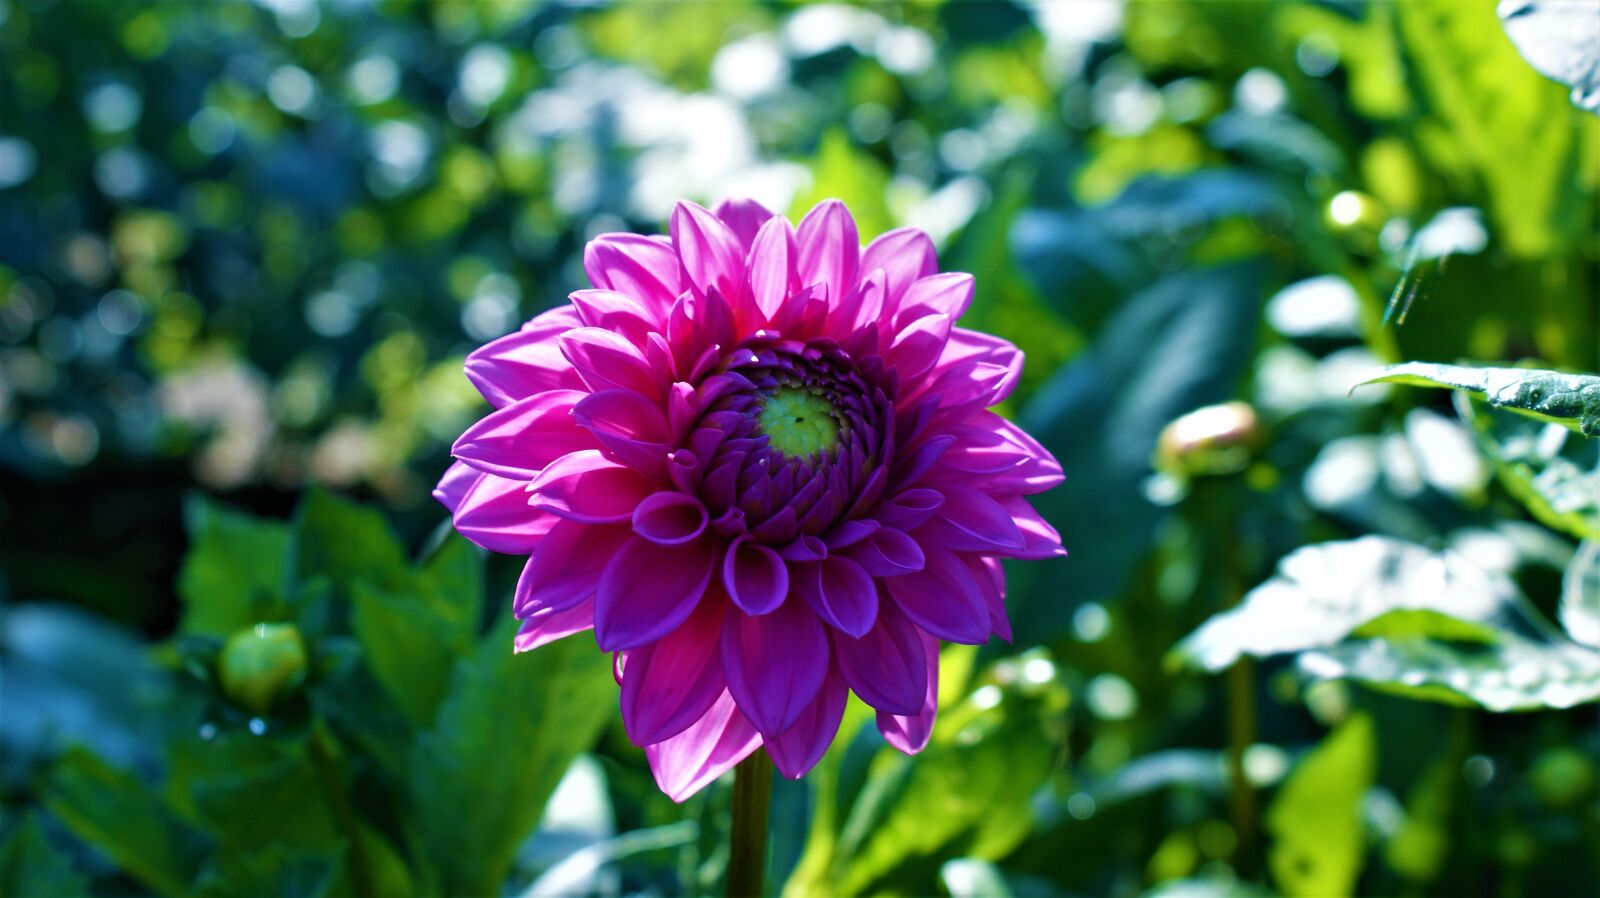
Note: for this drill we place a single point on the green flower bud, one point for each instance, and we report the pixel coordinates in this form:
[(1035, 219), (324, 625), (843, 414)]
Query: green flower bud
[(1210, 441), (261, 665)]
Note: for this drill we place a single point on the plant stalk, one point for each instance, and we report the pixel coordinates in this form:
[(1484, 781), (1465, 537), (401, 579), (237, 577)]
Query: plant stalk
[(747, 849)]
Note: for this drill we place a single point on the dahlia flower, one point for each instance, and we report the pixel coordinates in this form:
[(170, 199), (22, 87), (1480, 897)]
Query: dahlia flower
[(757, 460)]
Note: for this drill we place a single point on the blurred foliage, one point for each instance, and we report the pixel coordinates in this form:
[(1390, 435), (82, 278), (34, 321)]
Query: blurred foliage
[(244, 247)]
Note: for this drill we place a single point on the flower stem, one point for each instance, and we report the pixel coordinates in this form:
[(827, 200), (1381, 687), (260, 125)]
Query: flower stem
[(747, 854)]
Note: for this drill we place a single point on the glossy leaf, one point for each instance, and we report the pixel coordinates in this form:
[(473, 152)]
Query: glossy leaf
[(1580, 596), (1569, 399), (1554, 474)]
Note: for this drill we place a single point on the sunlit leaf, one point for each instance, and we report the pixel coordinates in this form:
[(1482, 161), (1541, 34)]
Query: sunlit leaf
[(1569, 399), (1553, 473), (1560, 40), (509, 726), (1319, 840)]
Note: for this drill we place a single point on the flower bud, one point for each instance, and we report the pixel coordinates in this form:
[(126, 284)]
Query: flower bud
[(1210, 441), (261, 665)]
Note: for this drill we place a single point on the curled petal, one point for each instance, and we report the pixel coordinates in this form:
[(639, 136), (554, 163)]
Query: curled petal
[(644, 268), (587, 486), (519, 439), (830, 250), (917, 345), (547, 625), (1039, 539), (711, 254), (632, 429), (669, 518), (906, 255), (775, 663), (799, 748), (618, 313), (605, 361), (527, 362), (886, 666), (755, 577), (647, 590), (495, 514), (972, 521), (453, 486), (909, 509), (841, 592), (946, 294), (910, 732), (942, 598), (671, 683), (710, 747), (888, 553)]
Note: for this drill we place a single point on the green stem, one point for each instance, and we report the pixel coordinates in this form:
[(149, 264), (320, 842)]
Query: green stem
[(747, 850), (328, 772)]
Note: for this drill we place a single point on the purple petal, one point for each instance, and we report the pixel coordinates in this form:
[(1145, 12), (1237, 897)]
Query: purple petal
[(906, 255), (802, 745), (519, 439), (917, 346), (971, 521), (841, 592), (711, 254), (587, 486), (669, 518), (830, 250), (1039, 539), (991, 578), (633, 429), (565, 566), (547, 625), (888, 553), (644, 268), (647, 590), (495, 514), (942, 598), (671, 683), (755, 577), (710, 747), (887, 667), (910, 733), (605, 360), (618, 313), (908, 510), (946, 294), (775, 663), (773, 277), (744, 217), (453, 486), (527, 362)]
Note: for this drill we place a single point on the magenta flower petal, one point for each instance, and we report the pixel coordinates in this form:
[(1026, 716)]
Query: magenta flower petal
[(710, 747), (886, 667), (841, 592), (547, 625), (755, 577), (565, 567), (647, 590), (519, 439), (496, 515), (942, 598), (758, 460), (775, 663), (671, 683), (910, 732), (799, 748)]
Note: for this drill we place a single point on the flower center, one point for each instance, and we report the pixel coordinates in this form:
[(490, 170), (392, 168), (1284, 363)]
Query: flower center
[(799, 422)]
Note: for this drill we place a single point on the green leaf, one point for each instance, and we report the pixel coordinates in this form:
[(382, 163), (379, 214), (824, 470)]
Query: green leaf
[(346, 542), (30, 867), (124, 820), (450, 578), (253, 792), (1569, 399), (1325, 593), (1402, 619), (1319, 842), (234, 574), (1555, 475), (509, 727), (408, 646), (271, 873), (1493, 116), (1580, 596), (1418, 849)]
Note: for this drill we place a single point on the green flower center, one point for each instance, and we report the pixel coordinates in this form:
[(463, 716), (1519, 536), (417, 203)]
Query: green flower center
[(799, 423)]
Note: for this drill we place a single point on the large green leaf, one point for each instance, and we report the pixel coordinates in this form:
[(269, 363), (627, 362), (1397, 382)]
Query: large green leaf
[(235, 572), (1319, 841), (1569, 399), (30, 867), (345, 542), (130, 824), (1403, 619), (1556, 475), (408, 646), (508, 728), (450, 578), (1493, 116)]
